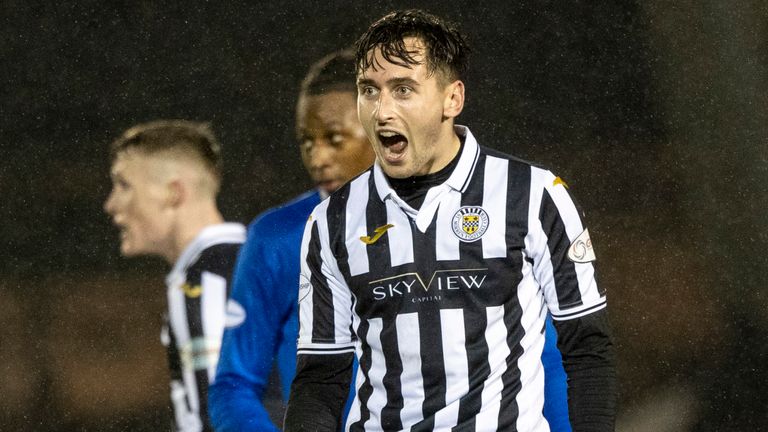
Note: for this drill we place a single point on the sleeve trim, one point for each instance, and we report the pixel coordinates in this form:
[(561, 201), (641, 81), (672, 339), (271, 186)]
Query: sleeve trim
[(581, 312), (325, 350)]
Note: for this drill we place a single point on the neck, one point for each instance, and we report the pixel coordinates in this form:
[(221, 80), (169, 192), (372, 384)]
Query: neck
[(190, 222), (451, 144)]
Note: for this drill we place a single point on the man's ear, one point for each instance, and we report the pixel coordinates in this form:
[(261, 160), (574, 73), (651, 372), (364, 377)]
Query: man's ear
[(177, 193), (453, 103)]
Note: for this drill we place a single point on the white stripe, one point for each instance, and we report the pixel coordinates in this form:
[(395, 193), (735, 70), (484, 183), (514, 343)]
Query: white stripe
[(446, 242), (378, 398), (498, 351), (213, 302), (411, 381), (306, 304), (177, 311), (400, 238), (356, 225), (495, 204), (530, 400), (456, 367)]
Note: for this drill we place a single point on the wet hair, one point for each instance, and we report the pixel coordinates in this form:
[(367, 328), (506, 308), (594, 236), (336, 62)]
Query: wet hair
[(334, 72), (446, 49), (187, 137)]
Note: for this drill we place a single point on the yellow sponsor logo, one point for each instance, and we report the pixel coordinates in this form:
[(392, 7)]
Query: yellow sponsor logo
[(377, 233), (192, 291)]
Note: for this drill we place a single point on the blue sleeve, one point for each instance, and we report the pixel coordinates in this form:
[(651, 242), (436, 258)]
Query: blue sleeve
[(555, 386), (263, 327)]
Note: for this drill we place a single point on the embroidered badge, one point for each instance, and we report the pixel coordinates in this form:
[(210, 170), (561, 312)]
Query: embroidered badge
[(470, 223), (581, 249)]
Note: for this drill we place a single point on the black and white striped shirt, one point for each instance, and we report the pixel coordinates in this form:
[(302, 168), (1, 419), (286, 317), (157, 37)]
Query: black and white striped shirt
[(445, 305), (197, 289)]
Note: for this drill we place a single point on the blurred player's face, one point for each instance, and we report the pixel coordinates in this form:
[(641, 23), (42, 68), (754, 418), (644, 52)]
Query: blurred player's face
[(139, 204), (408, 114), (334, 147)]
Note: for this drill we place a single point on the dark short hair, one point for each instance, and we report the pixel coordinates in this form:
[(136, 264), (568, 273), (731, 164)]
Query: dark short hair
[(334, 72), (193, 138), (446, 49)]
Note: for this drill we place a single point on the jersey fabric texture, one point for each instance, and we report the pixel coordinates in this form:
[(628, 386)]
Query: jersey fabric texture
[(446, 306), (197, 290), (262, 318)]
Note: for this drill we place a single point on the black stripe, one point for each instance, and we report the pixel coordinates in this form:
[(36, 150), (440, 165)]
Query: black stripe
[(473, 196), (337, 228), (475, 322), (365, 391), (566, 280), (424, 255), (518, 201), (432, 372), (322, 299), (390, 414), (509, 410)]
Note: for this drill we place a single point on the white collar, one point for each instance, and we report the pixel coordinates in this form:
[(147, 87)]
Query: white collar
[(458, 181), (227, 232)]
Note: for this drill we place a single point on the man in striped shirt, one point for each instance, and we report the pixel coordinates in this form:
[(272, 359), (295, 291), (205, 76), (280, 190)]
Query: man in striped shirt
[(438, 265), (165, 178)]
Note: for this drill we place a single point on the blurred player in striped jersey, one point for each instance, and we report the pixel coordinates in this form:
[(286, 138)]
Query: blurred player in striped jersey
[(165, 179), (437, 267)]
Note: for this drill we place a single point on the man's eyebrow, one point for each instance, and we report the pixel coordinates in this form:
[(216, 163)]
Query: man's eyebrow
[(364, 81), (390, 82)]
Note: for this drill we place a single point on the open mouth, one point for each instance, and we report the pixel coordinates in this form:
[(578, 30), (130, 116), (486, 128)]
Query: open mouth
[(393, 142)]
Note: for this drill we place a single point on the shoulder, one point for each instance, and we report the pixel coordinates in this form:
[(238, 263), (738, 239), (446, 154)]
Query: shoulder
[(286, 216), (218, 250), (540, 176), (218, 259), (514, 161)]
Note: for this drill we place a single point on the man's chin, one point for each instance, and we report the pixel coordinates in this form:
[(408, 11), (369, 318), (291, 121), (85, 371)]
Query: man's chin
[(398, 171), (128, 251), (329, 187)]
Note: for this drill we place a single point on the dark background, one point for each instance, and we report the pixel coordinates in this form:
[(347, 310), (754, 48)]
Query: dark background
[(655, 113)]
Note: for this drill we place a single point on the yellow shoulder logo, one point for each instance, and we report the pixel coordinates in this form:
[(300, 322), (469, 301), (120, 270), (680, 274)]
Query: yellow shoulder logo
[(377, 233), (559, 181), (192, 291)]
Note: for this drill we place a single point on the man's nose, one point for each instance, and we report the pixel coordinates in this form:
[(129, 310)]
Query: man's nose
[(384, 107), (109, 203), (322, 154)]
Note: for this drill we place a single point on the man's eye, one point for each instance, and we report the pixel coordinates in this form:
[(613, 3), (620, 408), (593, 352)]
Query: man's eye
[(306, 144), (403, 90), (337, 139), (367, 91)]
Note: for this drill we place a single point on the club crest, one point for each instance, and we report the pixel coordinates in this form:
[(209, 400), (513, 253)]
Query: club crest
[(470, 223)]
